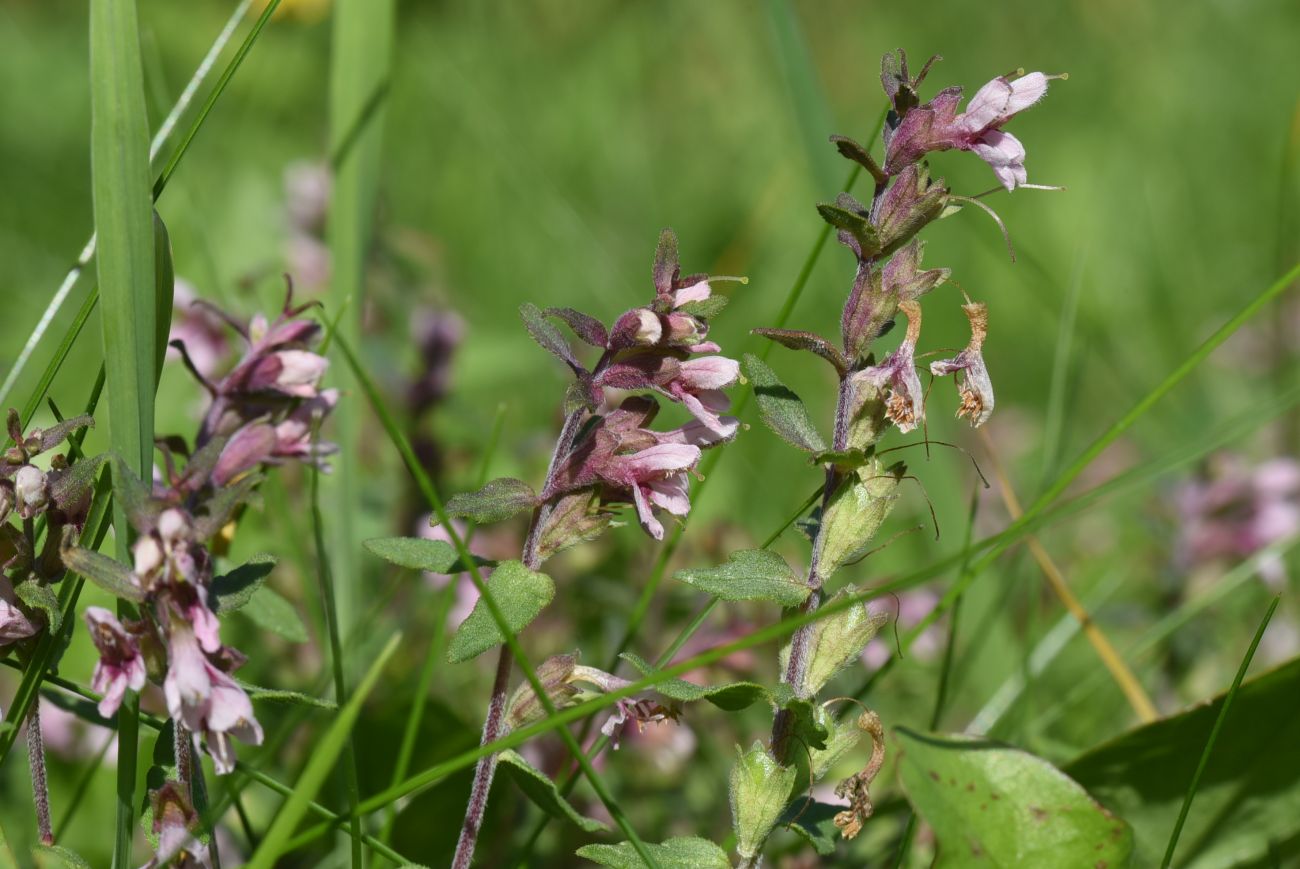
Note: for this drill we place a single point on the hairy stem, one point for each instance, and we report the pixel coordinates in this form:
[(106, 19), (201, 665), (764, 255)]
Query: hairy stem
[(797, 664), (486, 767), (494, 723), (40, 786)]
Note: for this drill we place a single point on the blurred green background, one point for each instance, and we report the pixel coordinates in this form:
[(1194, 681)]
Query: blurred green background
[(532, 153)]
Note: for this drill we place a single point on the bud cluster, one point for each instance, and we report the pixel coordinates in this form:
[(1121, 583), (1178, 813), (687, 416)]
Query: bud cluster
[(58, 495), (264, 409), (659, 350), (874, 395)]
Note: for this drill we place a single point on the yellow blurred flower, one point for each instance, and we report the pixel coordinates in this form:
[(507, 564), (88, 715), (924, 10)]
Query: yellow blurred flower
[(306, 11)]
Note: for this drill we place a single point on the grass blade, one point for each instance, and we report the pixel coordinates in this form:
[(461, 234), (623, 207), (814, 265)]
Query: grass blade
[(1214, 734), (325, 753), (812, 115), (361, 53), (325, 578), (123, 208)]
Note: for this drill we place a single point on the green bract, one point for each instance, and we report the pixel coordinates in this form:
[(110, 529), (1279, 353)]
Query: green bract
[(782, 410), (854, 515), (759, 790), (835, 641)]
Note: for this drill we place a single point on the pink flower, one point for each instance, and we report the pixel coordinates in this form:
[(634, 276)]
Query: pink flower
[(656, 477), (1236, 510), (698, 386), (936, 126), (640, 712), (121, 666), (206, 699)]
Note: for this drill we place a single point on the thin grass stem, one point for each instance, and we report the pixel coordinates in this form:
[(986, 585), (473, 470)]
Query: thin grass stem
[(1214, 735)]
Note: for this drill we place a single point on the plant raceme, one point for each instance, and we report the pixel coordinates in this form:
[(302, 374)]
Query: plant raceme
[(875, 395), (264, 412), (608, 455)]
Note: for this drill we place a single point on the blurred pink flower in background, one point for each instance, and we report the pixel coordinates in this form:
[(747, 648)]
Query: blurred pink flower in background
[(913, 606), (200, 328), (1236, 509)]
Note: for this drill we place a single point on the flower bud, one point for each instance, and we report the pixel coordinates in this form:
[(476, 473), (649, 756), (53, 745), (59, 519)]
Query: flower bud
[(524, 706), (683, 329), (639, 327), (300, 371), (835, 641), (173, 526), (759, 790), (30, 491), (6, 499), (148, 556)]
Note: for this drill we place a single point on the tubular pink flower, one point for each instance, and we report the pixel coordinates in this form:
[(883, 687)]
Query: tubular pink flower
[(936, 126), (696, 292), (206, 699), (656, 477), (120, 665)]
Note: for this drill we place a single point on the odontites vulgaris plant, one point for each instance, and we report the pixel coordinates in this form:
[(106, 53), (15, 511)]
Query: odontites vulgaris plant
[(608, 455), (879, 390)]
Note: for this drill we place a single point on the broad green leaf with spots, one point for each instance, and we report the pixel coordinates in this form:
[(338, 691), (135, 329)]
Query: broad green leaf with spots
[(993, 805)]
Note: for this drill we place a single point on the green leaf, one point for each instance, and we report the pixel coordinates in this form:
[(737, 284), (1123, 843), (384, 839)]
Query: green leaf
[(992, 805), (499, 499), (759, 787), (1249, 795), (782, 410), (109, 574), (234, 589), (123, 209), (814, 822), (849, 216), (705, 308), (751, 574), (731, 697), (543, 331), (270, 611), (41, 597), (280, 695), (519, 592), (683, 852), (796, 339), (417, 553), (65, 856), (543, 792), (324, 756)]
